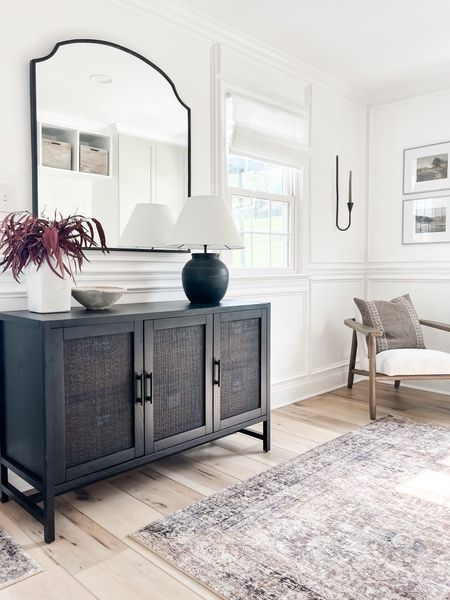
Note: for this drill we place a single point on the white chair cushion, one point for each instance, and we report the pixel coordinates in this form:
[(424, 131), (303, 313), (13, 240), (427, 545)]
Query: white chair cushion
[(411, 361)]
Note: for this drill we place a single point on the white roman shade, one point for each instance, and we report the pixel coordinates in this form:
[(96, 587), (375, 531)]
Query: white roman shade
[(255, 128)]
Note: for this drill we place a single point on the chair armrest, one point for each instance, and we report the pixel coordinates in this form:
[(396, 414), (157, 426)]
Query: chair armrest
[(360, 328), (434, 324)]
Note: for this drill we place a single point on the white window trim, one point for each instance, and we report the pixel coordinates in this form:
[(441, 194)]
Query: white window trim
[(290, 200), (221, 86)]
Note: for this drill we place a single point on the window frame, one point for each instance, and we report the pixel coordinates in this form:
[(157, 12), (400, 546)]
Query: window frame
[(290, 196)]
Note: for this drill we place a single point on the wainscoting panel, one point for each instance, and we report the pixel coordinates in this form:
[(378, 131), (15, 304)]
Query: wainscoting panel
[(148, 277), (288, 296), (310, 343), (331, 303)]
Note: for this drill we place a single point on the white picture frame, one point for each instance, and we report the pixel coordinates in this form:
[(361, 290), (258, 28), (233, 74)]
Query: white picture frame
[(426, 220), (426, 168)]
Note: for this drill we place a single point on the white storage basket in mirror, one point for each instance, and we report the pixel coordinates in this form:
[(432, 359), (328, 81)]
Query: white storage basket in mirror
[(74, 150), (57, 148)]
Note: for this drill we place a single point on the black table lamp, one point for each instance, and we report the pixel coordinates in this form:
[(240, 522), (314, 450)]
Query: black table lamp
[(205, 222)]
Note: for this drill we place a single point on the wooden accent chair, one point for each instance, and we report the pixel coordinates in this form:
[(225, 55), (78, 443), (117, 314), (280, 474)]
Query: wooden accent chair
[(371, 333)]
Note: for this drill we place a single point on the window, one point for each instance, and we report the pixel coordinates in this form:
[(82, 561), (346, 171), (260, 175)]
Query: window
[(266, 146), (262, 204)]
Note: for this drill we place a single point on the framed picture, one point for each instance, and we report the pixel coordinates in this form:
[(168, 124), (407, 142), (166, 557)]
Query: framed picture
[(426, 168), (426, 220)]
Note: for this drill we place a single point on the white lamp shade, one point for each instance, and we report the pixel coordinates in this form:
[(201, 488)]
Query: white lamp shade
[(150, 226), (206, 221)]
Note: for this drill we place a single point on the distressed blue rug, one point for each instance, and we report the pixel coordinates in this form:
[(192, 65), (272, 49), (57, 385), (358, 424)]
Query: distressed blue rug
[(365, 516), (15, 564)]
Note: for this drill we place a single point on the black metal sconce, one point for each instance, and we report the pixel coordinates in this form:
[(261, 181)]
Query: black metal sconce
[(349, 203)]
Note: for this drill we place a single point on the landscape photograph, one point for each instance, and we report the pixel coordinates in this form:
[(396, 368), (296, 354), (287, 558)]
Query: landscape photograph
[(431, 220), (432, 167)]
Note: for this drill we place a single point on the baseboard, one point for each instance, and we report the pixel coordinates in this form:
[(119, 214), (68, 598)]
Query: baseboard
[(290, 391), (294, 390)]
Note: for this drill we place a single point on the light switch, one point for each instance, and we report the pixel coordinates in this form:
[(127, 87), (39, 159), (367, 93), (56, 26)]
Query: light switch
[(7, 198)]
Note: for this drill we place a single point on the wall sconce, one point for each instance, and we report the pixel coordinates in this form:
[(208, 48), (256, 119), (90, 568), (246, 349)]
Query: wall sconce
[(349, 203)]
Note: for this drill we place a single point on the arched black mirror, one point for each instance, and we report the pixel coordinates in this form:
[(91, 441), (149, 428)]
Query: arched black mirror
[(110, 140)]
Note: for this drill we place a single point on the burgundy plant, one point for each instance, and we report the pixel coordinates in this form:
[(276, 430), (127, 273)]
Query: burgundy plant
[(26, 239)]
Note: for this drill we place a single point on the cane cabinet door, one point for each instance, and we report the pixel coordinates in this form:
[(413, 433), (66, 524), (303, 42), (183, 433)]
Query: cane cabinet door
[(177, 380), (240, 366), (100, 378)]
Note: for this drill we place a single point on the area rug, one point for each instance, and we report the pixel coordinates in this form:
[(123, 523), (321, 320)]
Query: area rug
[(15, 564), (365, 516)]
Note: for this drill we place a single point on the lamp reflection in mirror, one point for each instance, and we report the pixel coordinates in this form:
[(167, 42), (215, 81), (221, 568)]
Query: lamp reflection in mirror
[(149, 226), (205, 222)]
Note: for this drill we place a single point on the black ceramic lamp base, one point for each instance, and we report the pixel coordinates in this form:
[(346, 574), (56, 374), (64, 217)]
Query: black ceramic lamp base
[(205, 278)]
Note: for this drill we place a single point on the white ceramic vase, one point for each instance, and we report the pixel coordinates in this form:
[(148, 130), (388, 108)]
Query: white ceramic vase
[(47, 293)]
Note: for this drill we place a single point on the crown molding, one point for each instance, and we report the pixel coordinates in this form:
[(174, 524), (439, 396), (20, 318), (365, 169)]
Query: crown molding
[(392, 96), (210, 31)]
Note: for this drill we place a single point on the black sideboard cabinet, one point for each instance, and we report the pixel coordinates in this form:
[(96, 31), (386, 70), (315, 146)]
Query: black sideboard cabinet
[(86, 395)]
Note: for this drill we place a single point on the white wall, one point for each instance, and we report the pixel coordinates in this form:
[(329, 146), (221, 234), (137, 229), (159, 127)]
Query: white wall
[(393, 127), (393, 268), (338, 127), (336, 259), (309, 341)]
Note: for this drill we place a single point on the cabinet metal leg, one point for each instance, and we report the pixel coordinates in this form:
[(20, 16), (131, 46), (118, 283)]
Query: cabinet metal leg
[(266, 436), (4, 480), (49, 518)]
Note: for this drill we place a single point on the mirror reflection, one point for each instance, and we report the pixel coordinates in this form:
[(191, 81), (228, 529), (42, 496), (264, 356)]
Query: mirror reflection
[(112, 142)]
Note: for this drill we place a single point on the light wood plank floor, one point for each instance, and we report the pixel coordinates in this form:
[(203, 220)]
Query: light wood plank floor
[(93, 557)]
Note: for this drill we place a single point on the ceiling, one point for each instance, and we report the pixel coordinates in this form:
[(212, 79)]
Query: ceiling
[(388, 48)]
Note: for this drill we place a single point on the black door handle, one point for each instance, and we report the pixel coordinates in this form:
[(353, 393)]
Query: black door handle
[(149, 387), (217, 371), (139, 388)]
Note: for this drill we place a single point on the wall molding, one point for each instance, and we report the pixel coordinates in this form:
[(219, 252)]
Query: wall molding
[(330, 368), (341, 277), (408, 278), (162, 279), (319, 266), (208, 30), (409, 92), (409, 266), (302, 387), (431, 272)]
